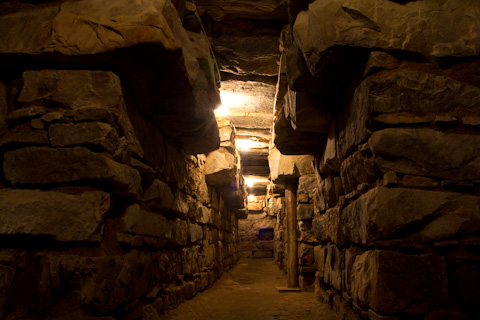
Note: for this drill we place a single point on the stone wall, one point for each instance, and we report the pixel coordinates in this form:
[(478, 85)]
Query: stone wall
[(105, 207), (100, 211), (396, 214)]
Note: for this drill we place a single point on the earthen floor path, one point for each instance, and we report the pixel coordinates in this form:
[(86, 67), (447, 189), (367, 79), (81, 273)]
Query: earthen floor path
[(248, 292)]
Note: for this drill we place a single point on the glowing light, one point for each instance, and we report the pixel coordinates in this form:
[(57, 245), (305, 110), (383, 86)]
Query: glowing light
[(222, 111), (233, 99), (251, 198), (250, 182), (245, 144)]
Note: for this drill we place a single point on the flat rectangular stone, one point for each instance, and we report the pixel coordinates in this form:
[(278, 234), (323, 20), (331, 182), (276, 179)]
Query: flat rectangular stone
[(384, 213), (40, 166), (391, 282), (64, 217)]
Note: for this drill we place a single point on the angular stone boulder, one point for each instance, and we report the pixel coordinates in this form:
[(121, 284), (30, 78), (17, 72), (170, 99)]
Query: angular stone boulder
[(139, 221), (384, 213), (333, 32), (427, 152), (391, 282), (63, 217), (410, 96), (40, 166), (87, 133), (288, 167), (221, 167), (143, 42)]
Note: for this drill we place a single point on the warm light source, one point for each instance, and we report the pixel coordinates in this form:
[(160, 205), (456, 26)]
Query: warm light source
[(245, 144), (230, 98), (221, 111), (250, 182), (252, 198)]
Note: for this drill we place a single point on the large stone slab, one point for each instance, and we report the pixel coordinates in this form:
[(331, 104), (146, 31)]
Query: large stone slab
[(221, 167), (40, 166), (308, 112), (329, 32), (287, 167), (426, 152), (406, 93), (143, 42), (139, 221), (251, 9), (391, 282), (384, 213), (64, 217), (87, 133)]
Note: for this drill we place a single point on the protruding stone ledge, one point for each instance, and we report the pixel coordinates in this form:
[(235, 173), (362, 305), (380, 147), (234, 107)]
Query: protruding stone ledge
[(143, 42), (64, 217), (285, 168)]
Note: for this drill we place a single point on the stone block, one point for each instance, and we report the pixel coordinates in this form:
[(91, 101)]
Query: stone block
[(40, 166), (308, 112), (426, 152), (403, 93), (96, 134), (334, 267), (356, 170), (139, 221), (119, 34), (286, 167), (306, 185), (196, 232), (384, 213), (305, 255), (159, 196), (221, 168), (305, 211), (329, 29), (180, 233), (390, 282), (24, 137), (63, 217), (320, 254)]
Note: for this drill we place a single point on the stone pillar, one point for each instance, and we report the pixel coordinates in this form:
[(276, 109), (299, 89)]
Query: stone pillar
[(292, 268)]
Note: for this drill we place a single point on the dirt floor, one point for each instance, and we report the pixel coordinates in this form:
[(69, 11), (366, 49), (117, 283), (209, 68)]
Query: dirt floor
[(248, 291)]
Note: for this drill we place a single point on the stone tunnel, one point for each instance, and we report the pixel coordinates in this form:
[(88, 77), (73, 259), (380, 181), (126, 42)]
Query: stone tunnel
[(150, 147)]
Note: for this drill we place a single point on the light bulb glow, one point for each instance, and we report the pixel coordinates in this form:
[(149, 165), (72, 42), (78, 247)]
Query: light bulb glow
[(245, 144), (250, 182), (222, 111), (251, 198)]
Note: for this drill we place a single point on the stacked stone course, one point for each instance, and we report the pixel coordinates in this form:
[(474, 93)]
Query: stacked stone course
[(396, 189), (105, 207)]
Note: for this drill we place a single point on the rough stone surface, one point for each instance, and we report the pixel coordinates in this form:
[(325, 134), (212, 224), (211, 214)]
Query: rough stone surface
[(86, 133), (329, 29), (220, 167), (35, 165), (406, 94), (159, 196), (64, 217), (384, 213), (390, 282), (284, 167), (72, 89), (81, 33), (328, 227), (139, 221), (427, 152)]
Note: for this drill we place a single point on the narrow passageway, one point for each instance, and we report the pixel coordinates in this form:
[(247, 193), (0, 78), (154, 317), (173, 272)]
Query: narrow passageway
[(248, 291)]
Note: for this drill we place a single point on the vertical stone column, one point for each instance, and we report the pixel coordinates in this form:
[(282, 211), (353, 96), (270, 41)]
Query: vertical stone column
[(292, 268)]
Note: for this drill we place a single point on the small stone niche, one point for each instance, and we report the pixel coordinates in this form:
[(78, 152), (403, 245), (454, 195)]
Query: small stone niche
[(266, 234)]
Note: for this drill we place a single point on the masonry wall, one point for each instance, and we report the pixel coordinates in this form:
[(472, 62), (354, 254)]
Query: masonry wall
[(395, 212), (101, 214)]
